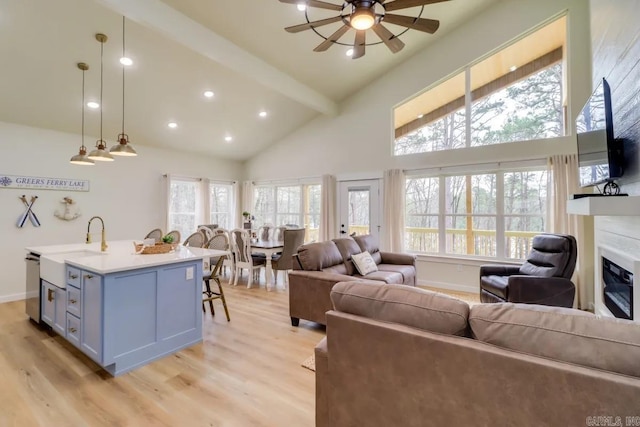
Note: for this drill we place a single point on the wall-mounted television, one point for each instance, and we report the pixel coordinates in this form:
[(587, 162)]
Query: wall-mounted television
[(600, 154)]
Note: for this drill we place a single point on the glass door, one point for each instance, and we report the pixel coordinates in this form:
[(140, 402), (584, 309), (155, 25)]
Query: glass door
[(359, 208)]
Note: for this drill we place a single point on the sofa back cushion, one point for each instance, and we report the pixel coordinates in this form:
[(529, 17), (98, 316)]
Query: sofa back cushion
[(564, 334), (369, 244), (348, 247), (415, 307), (319, 256)]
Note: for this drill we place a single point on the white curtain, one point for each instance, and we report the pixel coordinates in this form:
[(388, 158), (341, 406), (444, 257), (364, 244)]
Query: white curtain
[(247, 199), (328, 211), (393, 212), (563, 173)]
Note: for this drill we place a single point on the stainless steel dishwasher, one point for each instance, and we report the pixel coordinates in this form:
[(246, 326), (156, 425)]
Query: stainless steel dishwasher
[(33, 286)]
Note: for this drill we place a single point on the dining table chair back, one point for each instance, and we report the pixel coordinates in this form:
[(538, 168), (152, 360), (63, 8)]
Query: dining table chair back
[(195, 240), (156, 234), (265, 232), (176, 236), (220, 241), (278, 234), (241, 246), (293, 239)]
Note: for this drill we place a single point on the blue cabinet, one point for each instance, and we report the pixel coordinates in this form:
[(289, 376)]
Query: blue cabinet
[(130, 318), (53, 307)]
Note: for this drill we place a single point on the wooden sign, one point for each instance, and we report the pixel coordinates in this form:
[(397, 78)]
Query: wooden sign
[(40, 183)]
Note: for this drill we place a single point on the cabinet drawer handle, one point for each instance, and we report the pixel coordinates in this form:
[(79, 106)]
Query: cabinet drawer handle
[(88, 276), (72, 301), (50, 294), (73, 276), (73, 330)]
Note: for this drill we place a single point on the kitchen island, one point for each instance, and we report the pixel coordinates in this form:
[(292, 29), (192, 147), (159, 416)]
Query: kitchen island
[(123, 309)]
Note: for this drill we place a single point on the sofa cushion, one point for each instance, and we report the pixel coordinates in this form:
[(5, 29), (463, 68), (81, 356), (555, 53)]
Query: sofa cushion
[(418, 308), (364, 263), (318, 256), (390, 277), (369, 244), (408, 272), (560, 333), (347, 247), (497, 285)]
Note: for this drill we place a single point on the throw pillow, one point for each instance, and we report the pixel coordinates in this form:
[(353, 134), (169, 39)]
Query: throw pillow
[(364, 263)]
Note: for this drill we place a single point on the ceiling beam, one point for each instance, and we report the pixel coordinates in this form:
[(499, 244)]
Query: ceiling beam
[(160, 17)]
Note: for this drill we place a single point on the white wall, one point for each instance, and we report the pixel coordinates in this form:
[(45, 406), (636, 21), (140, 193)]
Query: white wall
[(359, 138), (127, 193)]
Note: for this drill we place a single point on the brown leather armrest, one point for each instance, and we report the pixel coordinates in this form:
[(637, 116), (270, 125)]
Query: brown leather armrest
[(397, 258), (499, 270)]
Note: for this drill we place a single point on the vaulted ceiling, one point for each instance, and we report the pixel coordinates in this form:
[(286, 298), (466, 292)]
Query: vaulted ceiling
[(236, 48)]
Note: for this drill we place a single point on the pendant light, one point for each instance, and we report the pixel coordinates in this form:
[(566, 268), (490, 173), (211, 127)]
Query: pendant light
[(123, 148), (100, 153), (81, 158)]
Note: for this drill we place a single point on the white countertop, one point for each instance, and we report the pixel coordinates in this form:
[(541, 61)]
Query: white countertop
[(120, 256)]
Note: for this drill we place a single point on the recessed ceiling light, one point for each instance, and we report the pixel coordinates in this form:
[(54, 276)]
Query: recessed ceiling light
[(93, 104), (228, 138), (513, 68), (349, 52), (172, 125), (302, 7), (420, 116), (208, 93), (126, 61), (262, 114)]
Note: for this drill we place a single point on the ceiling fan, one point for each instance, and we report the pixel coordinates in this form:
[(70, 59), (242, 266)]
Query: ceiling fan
[(362, 15)]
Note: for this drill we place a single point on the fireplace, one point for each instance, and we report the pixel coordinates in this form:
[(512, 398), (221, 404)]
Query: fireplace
[(614, 287)]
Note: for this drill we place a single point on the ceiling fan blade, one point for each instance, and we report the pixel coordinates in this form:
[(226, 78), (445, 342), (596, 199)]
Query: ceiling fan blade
[(332, 39), (314, 24), (315, 3), (358, 44), (394, 44), (421, 24), (403, 4)]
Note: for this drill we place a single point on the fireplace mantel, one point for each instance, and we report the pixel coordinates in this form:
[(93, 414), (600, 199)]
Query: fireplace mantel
[(605, 206)]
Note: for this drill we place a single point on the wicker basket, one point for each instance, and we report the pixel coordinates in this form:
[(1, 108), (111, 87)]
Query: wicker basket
[(158, 248)]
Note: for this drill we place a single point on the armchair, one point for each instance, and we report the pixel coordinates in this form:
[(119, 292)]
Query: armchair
[(544, 278)]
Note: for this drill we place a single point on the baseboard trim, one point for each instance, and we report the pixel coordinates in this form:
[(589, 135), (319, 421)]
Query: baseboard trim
[(17, 297), (449, 286)]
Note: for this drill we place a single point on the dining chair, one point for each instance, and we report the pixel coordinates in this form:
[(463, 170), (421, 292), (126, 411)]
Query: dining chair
[(208, 294), (265, 232), (176, 236), (220, 242), (293, 239), (208, 232), (156, 233), (278, 234), (195, 240), (241, 244)]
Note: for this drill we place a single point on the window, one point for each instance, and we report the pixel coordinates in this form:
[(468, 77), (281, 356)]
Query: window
[(490, 215), (221, 209), (194, 201), (513, 95), (184, 206), (294, 205)]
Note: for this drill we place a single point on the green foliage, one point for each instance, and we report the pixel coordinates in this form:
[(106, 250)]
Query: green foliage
[(168, 238)]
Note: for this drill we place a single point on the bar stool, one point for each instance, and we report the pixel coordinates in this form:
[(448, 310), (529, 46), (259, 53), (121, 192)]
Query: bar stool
[(208, 294)]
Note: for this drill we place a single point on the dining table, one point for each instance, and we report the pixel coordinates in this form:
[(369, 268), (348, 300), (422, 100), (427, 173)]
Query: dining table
[(267, 247)]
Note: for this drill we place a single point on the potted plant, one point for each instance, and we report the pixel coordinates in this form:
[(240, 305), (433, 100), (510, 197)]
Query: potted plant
[(246, 215)]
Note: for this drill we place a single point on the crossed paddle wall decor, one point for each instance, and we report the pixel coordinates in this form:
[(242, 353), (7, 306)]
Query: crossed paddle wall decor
[(28, 213)]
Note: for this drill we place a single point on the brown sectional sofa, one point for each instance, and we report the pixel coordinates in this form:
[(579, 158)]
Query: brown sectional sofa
[(318, 266), (401, 356)]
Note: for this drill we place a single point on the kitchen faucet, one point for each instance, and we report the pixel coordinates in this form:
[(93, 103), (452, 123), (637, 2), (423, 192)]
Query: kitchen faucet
[(103, 243)]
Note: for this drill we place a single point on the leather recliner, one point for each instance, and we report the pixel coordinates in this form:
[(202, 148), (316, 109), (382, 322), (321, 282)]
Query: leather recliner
[(544, 278)]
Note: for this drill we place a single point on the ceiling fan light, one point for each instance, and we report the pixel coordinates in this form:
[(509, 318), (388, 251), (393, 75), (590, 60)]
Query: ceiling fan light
[(363, 18)]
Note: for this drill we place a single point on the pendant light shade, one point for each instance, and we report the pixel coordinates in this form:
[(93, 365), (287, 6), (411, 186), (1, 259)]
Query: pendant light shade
[(81, 158), (123, 148), (100, 153)]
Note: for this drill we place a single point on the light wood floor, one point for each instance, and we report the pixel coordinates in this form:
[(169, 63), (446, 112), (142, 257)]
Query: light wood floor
[(246, 373)]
